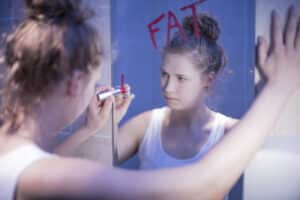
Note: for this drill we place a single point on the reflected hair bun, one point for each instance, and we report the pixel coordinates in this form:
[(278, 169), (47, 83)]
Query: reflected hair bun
[(207, 25)]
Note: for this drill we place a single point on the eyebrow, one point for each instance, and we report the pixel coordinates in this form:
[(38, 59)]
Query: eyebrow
[(181, 75), (184, 75)]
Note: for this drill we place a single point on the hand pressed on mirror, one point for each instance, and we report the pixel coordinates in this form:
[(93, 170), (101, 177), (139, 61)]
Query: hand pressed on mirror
[(278, 60)]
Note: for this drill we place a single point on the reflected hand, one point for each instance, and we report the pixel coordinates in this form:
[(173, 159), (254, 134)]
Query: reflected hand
[(122, 103), (280, 60)]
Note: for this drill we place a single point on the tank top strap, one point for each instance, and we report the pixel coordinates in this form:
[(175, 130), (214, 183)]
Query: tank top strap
[(221, 125), (217, 132)]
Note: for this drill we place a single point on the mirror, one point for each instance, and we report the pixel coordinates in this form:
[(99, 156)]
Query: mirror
[(140, 31)]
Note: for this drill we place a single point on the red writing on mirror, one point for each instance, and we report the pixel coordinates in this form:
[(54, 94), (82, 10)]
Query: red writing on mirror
[(173, 23)]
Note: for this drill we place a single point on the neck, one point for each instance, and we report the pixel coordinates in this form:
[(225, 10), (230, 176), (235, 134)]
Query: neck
[(40, 127), (189, 118)]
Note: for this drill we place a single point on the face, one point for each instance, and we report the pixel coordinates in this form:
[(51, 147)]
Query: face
[(183, 85)]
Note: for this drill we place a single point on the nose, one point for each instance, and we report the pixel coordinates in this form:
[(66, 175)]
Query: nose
[(168, 85)]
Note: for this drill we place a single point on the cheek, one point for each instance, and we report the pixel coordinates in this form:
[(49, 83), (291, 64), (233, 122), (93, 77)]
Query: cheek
[(186, 87), (191, 91)]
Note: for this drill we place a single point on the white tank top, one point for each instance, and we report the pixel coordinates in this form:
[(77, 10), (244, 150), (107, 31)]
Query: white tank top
[(12, 165), (151, 152)]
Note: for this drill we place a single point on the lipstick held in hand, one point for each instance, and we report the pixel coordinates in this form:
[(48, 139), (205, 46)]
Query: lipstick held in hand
[(122, 90)]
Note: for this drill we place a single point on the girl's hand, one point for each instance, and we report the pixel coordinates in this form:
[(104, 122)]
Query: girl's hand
[(280, 60), (98, 112)]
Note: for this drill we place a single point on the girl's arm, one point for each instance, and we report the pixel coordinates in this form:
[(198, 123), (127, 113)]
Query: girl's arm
[(131, 134)]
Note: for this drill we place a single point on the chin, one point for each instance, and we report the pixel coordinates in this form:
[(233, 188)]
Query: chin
[(174, 106), (180, 107)]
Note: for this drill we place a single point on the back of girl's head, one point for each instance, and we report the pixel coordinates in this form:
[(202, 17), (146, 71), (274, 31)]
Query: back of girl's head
[(53, 40), (204, 50)]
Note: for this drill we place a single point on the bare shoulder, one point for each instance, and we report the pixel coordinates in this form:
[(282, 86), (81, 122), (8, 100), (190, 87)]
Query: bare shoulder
[(141, 119), (137, 125)]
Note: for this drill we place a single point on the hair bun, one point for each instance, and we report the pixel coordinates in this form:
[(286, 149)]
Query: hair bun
[(52, 9), (207, 25)]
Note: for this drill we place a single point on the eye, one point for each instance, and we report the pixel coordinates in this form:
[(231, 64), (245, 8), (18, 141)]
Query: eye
[(164, 74), (181, 78)]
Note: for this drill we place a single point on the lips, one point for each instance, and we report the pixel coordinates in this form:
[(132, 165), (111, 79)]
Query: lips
[(170, 98)]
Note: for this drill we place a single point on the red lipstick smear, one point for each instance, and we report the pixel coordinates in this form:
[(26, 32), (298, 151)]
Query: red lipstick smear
[(123, 88)]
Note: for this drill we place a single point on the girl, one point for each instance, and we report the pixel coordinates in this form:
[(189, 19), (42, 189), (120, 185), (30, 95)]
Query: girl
[(186, 129), (48, 73)]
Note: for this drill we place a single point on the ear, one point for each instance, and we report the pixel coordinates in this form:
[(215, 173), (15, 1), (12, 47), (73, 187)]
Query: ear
[(210, 79), (74, 83)]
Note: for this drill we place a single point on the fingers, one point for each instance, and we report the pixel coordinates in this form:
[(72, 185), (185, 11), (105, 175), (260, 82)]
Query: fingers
[(95, 104), (103, 89), (121, 102), (124, 100), (262, 50), (290, 30), (98, 112), (276, 32), (106, 106), (102, 93), (123, 95)]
